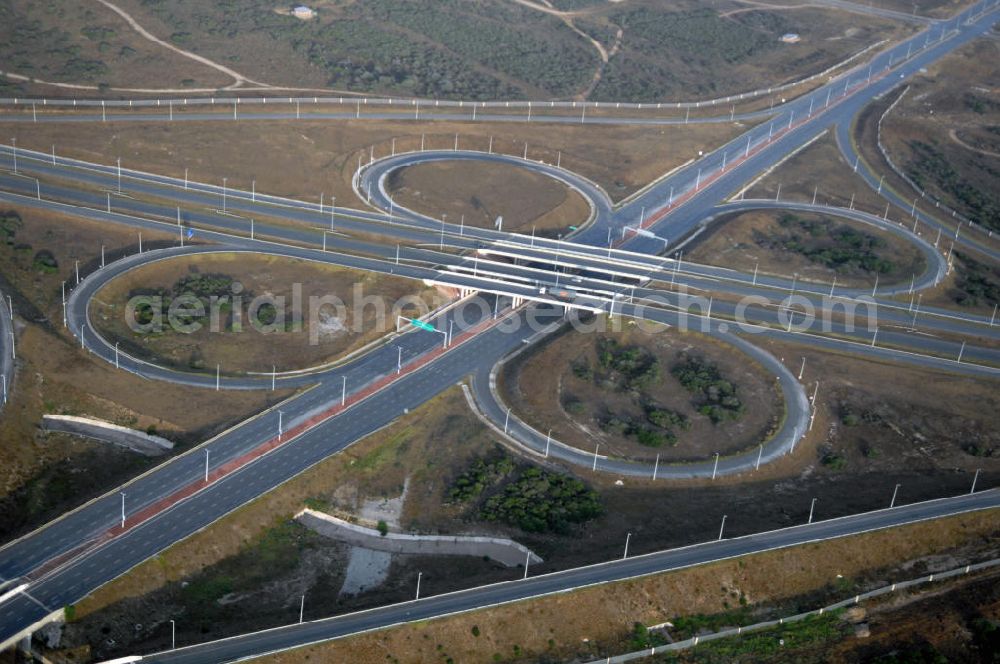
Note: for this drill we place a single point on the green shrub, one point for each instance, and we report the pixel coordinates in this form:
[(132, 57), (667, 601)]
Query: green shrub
[(849, 419), (717, 397), (483, 474), (540, 501), (834, 461)]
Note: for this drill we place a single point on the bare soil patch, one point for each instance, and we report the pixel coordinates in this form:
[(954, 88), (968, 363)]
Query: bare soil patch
[(479, 192), (279, 321), (759, 239), (45, 474), (563, 386), (304, 159)]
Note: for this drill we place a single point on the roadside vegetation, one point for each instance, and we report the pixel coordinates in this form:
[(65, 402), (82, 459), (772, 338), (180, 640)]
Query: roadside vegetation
[(978, 284), (245, 312), (838, 247), (527, 497), (45, 474), (930, 168), (448, 49), (943, 134), (640, 395)]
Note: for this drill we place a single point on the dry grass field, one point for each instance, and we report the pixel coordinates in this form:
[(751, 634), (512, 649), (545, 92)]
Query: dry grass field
[(478, 193), (267, 287), (312, 157), (758, 239), (563, 386)]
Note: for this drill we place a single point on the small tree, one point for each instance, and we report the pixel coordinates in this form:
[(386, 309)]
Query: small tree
[(383, 528)]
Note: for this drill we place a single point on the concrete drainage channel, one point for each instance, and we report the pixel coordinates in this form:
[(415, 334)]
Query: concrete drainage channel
[(851, 601), (504, 551)]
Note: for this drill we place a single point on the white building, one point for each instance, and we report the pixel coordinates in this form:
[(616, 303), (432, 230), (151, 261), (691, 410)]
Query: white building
[(303, 12)]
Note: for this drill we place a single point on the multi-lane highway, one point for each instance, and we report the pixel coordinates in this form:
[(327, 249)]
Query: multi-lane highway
[(87, 547), (234, 649)]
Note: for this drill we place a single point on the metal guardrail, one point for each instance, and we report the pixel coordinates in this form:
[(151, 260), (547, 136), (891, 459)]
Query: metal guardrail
[(416, 102)]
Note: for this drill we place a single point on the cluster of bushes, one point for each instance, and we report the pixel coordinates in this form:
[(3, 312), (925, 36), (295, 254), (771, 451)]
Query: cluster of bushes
[(483, 474), (930, 166), (206, 288), (532, 499), (10, 224), (661, 432), (840, 248), (665, 50), (979, 104), (446, 49), (204, 285), (717, 397), (851, 418), (43, 260), (833, 461), (629, 367), (978, 284), (538, 501)]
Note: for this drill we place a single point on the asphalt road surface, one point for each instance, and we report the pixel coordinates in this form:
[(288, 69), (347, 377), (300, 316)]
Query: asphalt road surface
[(233, 649), (673, 207)]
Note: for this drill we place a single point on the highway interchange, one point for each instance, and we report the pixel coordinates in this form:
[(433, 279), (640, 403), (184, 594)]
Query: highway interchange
[(85, 548)]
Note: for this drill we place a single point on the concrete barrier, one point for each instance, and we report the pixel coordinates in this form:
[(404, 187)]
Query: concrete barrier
[(137, 441), (504, 551)]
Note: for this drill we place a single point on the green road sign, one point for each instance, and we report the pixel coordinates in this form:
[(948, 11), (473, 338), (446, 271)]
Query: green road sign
[(422, 325)]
